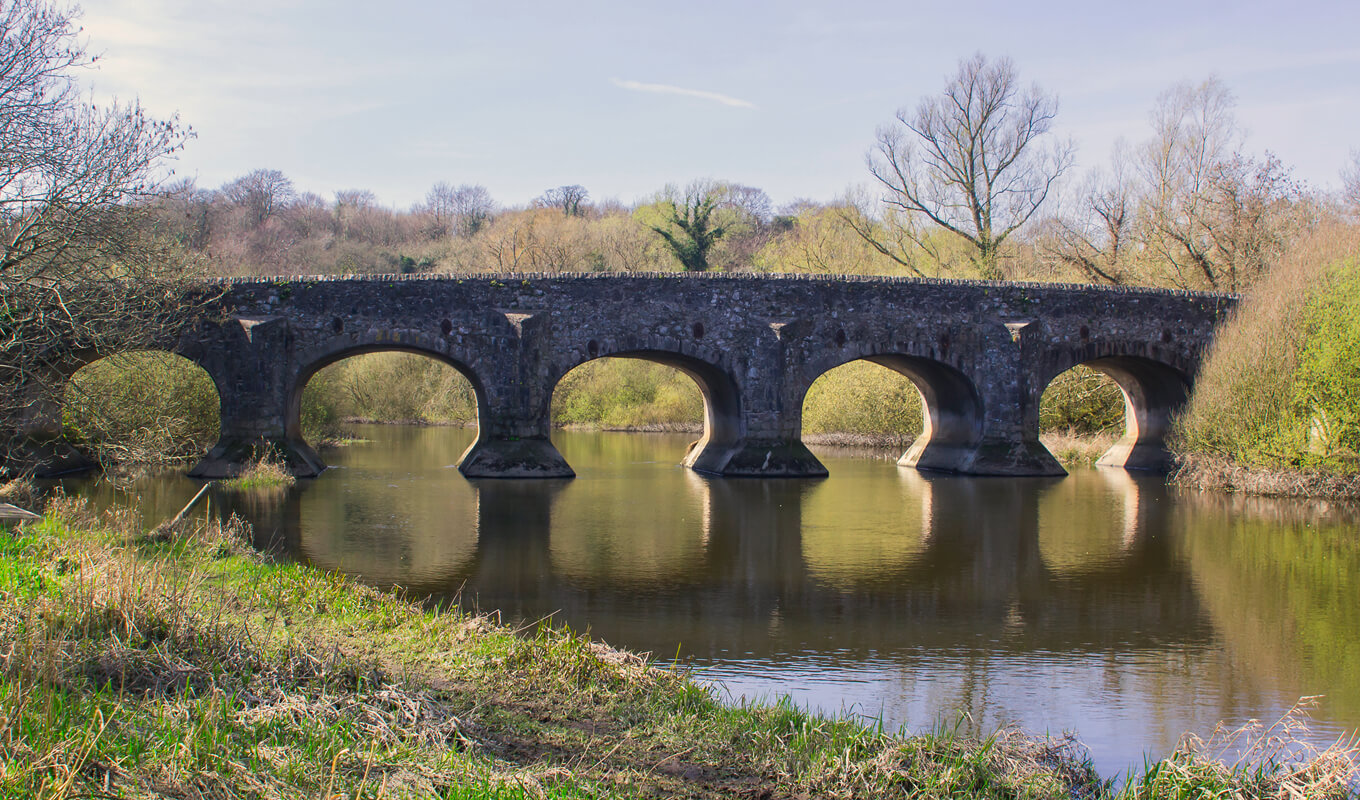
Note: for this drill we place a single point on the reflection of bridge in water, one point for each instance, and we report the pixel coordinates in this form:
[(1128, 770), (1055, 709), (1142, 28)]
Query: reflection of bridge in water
[(765, 563)]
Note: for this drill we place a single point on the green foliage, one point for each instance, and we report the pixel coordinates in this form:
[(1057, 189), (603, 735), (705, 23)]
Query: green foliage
[(863, 398), (1082, 401), (391, 387), (691, 223), (627, 393), (1327, 382), (142, 406), (1279, 387)]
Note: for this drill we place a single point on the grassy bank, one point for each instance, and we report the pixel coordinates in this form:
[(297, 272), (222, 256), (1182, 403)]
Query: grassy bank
[(1274, 409), (184, 665)]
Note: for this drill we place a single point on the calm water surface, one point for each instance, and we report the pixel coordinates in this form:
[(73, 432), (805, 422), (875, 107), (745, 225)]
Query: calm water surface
[(1103, 602)]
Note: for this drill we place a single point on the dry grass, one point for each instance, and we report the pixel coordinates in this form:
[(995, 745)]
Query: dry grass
[(266, 472), (21, 492), (1254, 762), (1221, 474), (1072, 448)]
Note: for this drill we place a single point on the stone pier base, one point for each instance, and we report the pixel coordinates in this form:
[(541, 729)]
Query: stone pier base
[(233, 455), (757, 459), (1020, 458), (1141, 455), (514, 458)]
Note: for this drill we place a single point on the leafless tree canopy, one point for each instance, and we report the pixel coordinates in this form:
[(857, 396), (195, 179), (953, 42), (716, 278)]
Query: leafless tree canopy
[(461, 210), (262, 193), (1209, 211), (1095, 234), (1350, 180), (571, 200), (80, 272), (971, 159)]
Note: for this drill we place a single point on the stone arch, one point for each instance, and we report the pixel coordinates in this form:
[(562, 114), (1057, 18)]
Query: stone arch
[(333, 352), (953, 410), (1154, 389), (723, 423), (50, 410)]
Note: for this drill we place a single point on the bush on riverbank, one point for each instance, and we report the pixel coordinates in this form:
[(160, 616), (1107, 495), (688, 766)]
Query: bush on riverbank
[(1278, 389)]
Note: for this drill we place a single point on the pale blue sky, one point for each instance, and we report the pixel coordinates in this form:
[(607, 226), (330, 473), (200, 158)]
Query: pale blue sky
[(523, 96)]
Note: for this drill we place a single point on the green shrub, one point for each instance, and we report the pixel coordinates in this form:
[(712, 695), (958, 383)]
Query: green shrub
[(142, 407), (1327, 381), (391, 387), (627, 393), (863, 398), (1084, 402), (1279, 386)]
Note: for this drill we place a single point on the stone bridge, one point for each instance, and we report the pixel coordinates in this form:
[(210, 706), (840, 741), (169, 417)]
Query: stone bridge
[(981, 355)]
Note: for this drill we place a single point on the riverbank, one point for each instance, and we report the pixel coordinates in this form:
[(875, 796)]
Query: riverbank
[(1207, 473), (183, 663)]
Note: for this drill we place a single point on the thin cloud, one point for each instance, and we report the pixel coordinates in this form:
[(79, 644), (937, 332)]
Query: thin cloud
[(661, 88)]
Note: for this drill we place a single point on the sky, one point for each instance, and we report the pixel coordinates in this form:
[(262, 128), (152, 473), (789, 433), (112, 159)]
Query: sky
[(626, 97)]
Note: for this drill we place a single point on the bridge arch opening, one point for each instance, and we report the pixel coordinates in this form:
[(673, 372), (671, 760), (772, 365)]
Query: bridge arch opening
[(652, 390), (140, 406), (861, 402), (910, 399), (382, 385), (1081, 415), (1128, 397)]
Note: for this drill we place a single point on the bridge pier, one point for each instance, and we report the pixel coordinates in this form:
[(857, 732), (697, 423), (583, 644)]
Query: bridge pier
[(1153, 393), (513, 445), (246, 440), (756, 458), (994, 455)]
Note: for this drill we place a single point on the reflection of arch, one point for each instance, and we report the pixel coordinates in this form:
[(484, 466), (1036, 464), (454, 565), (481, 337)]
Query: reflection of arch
[(1153, 391), (953, 409), (722, 402), (334, 352)]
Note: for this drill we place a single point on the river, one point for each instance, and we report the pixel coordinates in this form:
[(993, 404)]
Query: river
[(1105, 602)]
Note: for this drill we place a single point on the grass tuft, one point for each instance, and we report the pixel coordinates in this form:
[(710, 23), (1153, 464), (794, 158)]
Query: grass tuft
[(265, 473)]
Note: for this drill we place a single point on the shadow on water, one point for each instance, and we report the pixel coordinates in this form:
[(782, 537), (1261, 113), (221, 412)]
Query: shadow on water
[(1102, 602)]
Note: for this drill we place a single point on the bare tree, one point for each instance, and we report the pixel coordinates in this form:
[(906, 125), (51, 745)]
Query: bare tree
[(1097, 232), (1350, 180), (82, 273), (572, 200), (971, 159), (262, 193), (1210, 214), (460, 210)]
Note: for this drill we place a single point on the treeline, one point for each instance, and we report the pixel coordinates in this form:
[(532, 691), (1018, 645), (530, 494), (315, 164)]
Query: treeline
[(1185, 207)]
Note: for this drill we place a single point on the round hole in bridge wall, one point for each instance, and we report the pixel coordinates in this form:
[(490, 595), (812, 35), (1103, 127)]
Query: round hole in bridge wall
[(338, 325), (1166, 335), (698, 330), (446, 327), (593, 347), (1084, 333), (840, 338)]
